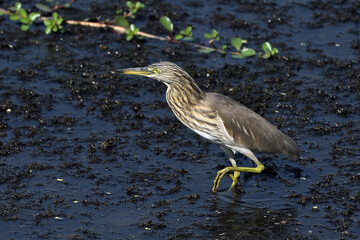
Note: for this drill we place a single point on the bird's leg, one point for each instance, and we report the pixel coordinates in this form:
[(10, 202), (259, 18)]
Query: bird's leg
[(237, 170), (235, 176)]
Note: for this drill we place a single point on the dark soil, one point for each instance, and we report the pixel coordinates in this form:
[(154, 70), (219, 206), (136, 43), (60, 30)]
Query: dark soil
[(86, 154)]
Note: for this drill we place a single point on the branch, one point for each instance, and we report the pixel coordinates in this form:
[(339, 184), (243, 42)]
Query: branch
[(122, 30), (116, 28), (56, 7), (4, 11)]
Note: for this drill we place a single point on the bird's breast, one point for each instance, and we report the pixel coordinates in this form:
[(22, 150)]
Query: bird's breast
[(195, 115)]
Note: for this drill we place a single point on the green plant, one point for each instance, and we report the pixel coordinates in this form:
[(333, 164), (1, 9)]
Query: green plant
[(167, 24), (54, 24), (223, 49), (46, 8), (213, 36), (244, 52), (185, 34), (43, 7), (269, 50), (18, 13), (207, 50), (132, 31), (134, 8), (121, 21)]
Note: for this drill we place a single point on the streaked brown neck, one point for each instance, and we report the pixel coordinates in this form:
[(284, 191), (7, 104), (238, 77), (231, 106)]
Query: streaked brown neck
[(184, 93), (186, 101)]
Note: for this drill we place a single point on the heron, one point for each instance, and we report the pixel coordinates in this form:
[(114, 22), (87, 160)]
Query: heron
[(219, 119)]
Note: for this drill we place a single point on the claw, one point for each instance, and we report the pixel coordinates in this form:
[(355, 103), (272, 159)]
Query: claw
[(236, 170), (234, 178), (219, 176)]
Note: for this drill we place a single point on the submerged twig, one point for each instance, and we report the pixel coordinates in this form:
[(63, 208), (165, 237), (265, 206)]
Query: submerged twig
[(122, 30), (118, 29)]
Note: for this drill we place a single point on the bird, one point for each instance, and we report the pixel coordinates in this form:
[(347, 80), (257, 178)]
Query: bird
[(219, 119)]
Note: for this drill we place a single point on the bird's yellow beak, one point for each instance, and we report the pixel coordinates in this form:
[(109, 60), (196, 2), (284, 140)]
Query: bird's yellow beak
[(141, 71)]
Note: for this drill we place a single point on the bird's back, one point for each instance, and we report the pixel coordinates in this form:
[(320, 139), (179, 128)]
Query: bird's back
[(247, 129)]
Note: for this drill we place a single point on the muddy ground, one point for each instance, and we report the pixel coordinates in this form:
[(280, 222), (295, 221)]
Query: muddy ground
[(86, 154)]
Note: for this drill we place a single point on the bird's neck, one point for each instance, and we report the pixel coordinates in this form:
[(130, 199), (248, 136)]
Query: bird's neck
[(185, 100), (185, 94)]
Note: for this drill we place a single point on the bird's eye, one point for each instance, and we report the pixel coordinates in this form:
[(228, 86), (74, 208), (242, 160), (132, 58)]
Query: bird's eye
[(156, 70)]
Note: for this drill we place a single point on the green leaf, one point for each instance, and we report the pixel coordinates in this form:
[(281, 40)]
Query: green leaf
[(121, 21), (22, 13), (266, 46), (43, 7), (207, 35), (214, 33), (178, 36), (188, 38), (166, 23), (66, 5), (129, 37), (266, 56), (132, 27), (48, 23), (59, 21), (54, 15), (206, 50), (25, 20), (237, 56), (17, 6), (217, 39), (34, 15), (54, 29), (247, 52), (274, 51), (129, 4), (223, 49), (48, 30), (2, 13), (187, 32), (24, 27), (139, 5), (14, 17), (236, 43)]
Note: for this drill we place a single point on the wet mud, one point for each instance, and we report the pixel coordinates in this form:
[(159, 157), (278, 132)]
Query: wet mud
[(87, 154)]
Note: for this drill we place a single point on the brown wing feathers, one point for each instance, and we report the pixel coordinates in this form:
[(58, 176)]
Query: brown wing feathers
[(250, 130)]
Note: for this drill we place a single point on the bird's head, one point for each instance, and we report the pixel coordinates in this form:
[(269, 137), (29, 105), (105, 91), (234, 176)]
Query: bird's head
[(166, 72)]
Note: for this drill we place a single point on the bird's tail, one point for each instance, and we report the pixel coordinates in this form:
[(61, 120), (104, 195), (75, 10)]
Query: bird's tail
[(290, 149)]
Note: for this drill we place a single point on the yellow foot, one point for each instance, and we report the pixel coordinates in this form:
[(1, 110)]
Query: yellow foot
[(234, 178), (236, 170)]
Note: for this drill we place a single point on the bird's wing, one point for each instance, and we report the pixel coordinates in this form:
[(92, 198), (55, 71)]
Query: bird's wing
[(245, 128)]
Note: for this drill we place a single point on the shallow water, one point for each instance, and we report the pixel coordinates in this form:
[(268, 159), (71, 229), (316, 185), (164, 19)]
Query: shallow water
[(86, 154)]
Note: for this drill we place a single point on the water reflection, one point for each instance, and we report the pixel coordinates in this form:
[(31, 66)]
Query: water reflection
[(250, 219)]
